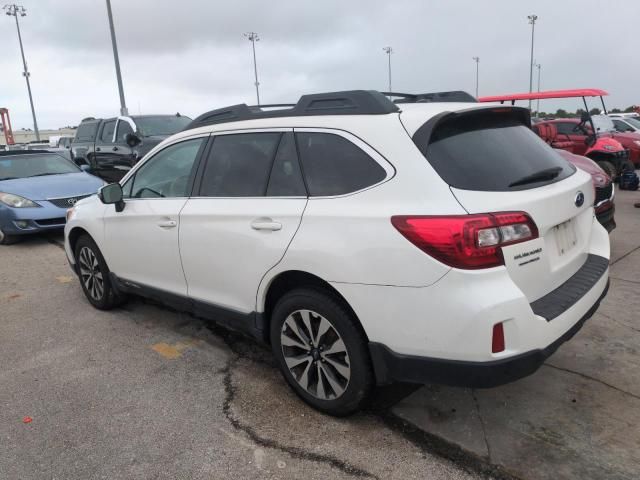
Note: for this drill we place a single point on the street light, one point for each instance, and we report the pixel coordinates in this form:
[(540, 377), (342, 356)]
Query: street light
[(538, 66), (114, 45), (389, 51), (14, 10), (532, 22), (253, 38), (477, 60)]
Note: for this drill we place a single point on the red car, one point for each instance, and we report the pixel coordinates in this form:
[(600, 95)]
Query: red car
[(574, 131), (604, 206)]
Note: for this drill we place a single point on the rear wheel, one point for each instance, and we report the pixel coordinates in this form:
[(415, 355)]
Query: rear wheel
[(321, 352), (94, 275), (8, 239)]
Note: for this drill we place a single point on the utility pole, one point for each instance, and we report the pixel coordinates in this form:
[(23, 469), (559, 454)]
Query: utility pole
[(532, 21), (389, 51), (538, 66), (477, 60), (123, 105), (16, 11), (253, 38)]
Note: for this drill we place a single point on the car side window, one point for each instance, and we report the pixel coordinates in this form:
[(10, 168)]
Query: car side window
[(286, 177), (107, 131), (566, 128), (123, 129), (332, 165), (167, 173), (86, 132), (238, 165)]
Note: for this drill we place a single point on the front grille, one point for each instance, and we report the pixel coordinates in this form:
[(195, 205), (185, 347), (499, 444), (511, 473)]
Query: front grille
[(66, 202), (47, 222), (604, 193)]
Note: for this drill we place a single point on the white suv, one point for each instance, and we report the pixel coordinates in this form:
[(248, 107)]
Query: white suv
[(367, 241)]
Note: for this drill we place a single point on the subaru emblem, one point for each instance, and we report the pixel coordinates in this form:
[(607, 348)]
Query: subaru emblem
[(579, 199), (72, 201)]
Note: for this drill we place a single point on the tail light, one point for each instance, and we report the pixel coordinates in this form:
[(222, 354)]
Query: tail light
[(497, 338), (467, 241)]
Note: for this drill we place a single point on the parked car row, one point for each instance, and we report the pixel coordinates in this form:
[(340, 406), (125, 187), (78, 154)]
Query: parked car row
[(365, 241), (111, 146)]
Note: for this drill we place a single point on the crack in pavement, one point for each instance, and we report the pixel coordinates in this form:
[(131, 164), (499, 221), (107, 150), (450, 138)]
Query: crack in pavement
[(588, 377), (484, 431), (615, 320), (295, 452), (625, 255)]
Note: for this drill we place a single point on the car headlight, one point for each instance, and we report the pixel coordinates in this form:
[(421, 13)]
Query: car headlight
[(16, 201), (637, 142)]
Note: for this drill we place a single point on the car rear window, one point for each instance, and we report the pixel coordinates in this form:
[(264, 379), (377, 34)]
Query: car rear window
[(86, 132), (490, 151)]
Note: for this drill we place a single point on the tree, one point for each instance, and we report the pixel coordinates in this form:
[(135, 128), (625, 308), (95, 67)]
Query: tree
[(561, 113), (615, 110), (594, 111)]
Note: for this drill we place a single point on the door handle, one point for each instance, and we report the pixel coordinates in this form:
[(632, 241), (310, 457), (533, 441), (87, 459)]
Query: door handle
[(167, 223), (97, 149), (266, 224), (115, 149)]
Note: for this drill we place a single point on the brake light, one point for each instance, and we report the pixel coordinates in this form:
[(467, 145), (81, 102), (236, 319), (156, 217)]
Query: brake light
[(467, 241)]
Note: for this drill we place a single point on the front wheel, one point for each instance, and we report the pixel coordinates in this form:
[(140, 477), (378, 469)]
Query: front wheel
[(321, 352), (8, 239), (94, 275), (609, 168)]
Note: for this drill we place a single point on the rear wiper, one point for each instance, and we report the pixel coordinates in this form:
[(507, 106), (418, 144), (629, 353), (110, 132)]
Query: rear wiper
[(546, 174)]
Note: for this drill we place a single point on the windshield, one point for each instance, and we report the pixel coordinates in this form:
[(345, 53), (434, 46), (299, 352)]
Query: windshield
[(161, 124), (634, 122), (22, 166), (603, 123)]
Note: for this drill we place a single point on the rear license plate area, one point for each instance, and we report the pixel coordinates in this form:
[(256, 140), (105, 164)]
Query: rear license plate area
[(566, 236)]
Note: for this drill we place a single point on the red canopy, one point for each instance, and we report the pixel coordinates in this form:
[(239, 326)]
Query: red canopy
[(580, 92)]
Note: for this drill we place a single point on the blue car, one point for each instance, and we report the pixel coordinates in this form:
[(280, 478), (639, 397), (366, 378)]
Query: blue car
[(36, 189)]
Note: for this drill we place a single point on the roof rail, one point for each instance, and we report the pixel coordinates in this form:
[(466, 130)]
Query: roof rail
[(434, 97), (352, 102)]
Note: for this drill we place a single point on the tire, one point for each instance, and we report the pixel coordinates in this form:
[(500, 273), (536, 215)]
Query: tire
[(93, 273), (609, 168), (8, 239), (337, 382)]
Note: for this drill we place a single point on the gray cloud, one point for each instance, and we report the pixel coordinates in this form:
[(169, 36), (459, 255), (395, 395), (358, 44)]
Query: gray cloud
[(190, 56)]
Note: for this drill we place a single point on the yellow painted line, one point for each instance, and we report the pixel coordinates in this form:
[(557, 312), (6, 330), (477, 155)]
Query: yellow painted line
[(172, 352)]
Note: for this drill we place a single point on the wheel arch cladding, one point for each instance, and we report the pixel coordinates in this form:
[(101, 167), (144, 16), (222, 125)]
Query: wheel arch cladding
[(290, 280), (74, 235)]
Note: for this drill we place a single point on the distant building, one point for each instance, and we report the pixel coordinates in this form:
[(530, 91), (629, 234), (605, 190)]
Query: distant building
[(27, 136)]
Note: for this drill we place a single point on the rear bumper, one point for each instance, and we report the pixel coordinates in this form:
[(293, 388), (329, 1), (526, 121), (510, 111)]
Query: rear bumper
[(390, 366)]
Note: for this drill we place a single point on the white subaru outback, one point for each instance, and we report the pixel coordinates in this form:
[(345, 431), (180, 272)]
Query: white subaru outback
[(367, 241)]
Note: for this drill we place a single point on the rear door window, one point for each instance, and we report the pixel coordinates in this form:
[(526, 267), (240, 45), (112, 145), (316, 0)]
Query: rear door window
[(107, 131), (86, 132), (286, 177), (490, 151), (238, 165), (332, 165)]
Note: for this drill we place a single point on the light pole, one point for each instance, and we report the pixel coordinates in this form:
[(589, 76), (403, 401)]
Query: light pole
[(14, 10), (538, 66), (123, 106), (532, 22), (477, 60), (253, 38), (389, 51)]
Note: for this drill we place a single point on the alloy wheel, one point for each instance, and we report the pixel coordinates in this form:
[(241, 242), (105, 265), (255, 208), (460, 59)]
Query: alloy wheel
[(90, 273), (315, 354)]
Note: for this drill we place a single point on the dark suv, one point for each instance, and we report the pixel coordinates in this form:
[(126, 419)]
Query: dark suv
[(112, 146)]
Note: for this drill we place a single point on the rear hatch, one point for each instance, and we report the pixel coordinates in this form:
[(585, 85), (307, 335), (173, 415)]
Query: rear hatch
[(493, 162)]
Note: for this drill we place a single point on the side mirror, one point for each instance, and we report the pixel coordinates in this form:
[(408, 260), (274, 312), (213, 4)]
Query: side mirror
[(132, 140), (84, 167), (112, 194)]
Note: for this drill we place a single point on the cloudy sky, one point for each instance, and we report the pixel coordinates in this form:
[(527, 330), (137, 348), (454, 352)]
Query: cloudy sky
[(190, 55)]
